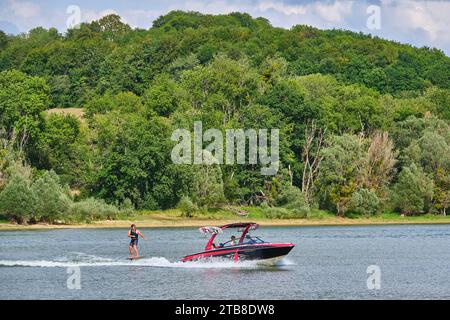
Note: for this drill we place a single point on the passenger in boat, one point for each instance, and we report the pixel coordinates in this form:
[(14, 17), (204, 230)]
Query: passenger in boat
[(233, 241)]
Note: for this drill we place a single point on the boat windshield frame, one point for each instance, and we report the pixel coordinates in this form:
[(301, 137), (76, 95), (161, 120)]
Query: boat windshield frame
[(247, 226)]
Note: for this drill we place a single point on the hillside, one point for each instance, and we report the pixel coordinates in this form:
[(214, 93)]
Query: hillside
[(108, 56), (364, 122)]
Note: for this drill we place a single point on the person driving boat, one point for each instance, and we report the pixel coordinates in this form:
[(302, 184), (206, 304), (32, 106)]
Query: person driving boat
[(249, 239)]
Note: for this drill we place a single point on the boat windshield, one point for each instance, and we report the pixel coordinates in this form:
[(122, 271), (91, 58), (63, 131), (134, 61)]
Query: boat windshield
[(248, 240)]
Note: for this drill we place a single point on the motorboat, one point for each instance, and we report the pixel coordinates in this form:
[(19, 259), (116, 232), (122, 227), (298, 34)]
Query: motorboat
[(244, 247)]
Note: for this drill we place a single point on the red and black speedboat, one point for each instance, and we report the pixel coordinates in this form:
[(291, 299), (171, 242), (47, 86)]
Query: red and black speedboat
[(246, 247)]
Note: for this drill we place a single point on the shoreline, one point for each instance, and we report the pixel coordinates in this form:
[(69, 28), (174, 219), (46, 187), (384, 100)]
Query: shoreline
[(179, 222)]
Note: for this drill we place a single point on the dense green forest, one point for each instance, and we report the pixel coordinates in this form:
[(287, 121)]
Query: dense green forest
[(364, 122)]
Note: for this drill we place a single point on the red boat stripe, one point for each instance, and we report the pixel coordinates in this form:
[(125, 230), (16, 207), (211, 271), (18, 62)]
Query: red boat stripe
[(233, 250)]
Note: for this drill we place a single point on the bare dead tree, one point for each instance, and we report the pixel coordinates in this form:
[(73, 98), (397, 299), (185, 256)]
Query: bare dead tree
[(6, 154), (312, 158), (379, 162), (291, 175), (22, 141), (12, 155)]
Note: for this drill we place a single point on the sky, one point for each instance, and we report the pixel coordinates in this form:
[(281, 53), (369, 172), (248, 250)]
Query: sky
[(417, 22)]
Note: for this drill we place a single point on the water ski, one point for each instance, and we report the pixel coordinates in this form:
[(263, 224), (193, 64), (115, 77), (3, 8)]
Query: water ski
[(135, 258)]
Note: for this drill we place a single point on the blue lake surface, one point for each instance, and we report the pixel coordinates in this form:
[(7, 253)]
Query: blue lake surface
[(327, 263)]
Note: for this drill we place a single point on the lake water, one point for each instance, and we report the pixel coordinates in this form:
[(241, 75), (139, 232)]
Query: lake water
[(327, 263)]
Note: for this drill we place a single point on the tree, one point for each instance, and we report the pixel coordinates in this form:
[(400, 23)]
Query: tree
[(51, 200), (312, 158), (22, 99), (17, 200), (364, 202), (340, 171), (9, 157), (112, 26), (3, 39), (431, 151), (125, 102), (379, 163), (293, 199), (442, 191), (99, 105), (133, 161), (207, 189), (441, 100), (273, 69), (63, 147), (90, 209), (163, 97), (224, 85), (359, 109), (187, 207), (183, 63), (288, 98), (5, 157), (413, 191)]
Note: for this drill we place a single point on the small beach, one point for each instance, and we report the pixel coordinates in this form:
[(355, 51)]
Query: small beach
[(172, 218)]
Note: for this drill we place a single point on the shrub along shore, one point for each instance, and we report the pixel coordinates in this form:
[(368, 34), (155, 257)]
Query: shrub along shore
[(174, 218)]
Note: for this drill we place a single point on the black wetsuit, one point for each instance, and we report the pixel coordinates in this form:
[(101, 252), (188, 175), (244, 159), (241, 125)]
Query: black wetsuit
[(134, 238)]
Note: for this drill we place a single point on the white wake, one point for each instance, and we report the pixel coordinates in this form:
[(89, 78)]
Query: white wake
[(144, 262)]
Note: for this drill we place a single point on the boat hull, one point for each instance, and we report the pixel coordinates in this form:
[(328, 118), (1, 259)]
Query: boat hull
[(270, 251)]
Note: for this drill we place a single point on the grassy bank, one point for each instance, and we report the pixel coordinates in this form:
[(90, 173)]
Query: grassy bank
[(173, 218)]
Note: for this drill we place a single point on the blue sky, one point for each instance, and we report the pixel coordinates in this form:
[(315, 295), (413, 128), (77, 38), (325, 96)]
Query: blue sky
[(418, 22)]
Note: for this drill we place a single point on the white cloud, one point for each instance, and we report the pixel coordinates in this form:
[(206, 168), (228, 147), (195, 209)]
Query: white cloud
[(24, 9), (281, 7), (210, 7), (141, 18), (335, 12), (322, 14), (135, 18), (431, 16), (421, 23), (91, 15)]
